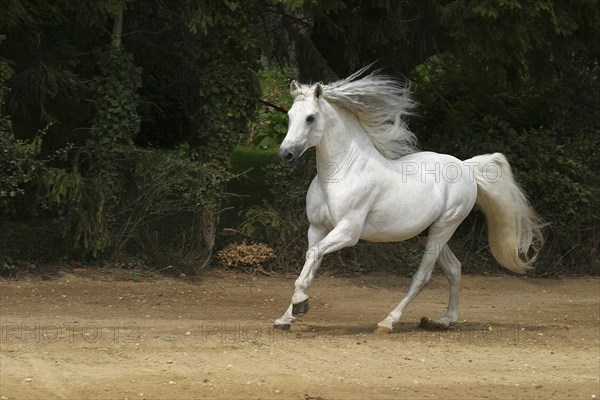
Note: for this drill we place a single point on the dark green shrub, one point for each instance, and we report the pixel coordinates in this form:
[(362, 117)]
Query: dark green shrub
[(270, 127), (549, 134), (20, 166), (250, 185), (169, 212)]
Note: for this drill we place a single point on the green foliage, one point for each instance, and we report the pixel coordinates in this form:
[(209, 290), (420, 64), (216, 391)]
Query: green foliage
[(497, 37), (272, 207), (176, 175), (19, 159), (549, 135), (528, 37), (19, 164), (275, 212), (250, 186), (122, 147), (270, 126), (288, 186), (116, 99), (169, 211), (267, 224), (280, 220), (5, 73), (228, 49), (272, 130), (88, 194), (105, 94)]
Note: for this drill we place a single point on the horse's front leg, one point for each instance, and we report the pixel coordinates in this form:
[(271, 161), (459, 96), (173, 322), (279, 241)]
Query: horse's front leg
[(343, 235), (299, 305), (315, 235)]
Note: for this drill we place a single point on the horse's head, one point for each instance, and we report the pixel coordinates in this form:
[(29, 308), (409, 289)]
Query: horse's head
[(306, 124)]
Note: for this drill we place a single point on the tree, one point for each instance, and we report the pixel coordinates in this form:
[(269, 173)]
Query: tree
[(514, 37), (105, 79)]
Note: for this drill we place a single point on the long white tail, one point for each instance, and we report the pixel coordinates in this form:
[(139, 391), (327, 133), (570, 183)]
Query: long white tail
[(514, 229)]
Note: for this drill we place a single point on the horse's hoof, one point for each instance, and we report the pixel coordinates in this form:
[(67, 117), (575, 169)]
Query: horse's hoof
[(424, 323), (300, 309), (429, 325), (382, 330), (282, 327)]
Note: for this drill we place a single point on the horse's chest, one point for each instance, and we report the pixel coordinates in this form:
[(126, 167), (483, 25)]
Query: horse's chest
[(329, 204), (319, 208)]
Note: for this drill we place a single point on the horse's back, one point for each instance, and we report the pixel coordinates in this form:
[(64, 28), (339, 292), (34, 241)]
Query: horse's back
[(439, 178), (422, 188)]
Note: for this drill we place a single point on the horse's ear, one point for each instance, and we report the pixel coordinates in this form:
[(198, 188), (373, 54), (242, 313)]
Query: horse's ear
[(318, 91), (294, 88)]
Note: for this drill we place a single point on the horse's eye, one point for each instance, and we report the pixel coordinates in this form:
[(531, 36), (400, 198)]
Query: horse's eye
[(310, 118)]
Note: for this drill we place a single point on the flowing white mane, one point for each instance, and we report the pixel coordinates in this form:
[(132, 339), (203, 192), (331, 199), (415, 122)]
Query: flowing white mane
[(380, 103)]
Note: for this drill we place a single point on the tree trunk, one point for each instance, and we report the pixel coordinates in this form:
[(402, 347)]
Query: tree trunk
[(117, 33)]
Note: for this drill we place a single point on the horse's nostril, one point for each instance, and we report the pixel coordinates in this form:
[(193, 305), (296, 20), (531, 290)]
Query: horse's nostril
[(288, 157)]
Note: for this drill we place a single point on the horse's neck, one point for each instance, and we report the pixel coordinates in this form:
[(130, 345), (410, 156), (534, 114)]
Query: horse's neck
[(343, 143)]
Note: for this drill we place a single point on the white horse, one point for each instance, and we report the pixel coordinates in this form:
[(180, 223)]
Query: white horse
[(372, 184)]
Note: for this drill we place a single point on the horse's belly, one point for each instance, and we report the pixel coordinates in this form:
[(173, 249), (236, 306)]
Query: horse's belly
[(389, 229), (379, 236)]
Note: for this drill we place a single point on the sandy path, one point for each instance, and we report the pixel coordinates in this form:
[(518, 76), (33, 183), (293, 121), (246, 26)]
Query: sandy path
[(90, 337)]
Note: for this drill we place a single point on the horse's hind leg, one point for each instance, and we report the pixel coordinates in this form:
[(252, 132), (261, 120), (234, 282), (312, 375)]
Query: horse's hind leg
[(439, 234), (451, 267)]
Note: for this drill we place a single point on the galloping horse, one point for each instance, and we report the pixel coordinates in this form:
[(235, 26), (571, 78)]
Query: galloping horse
[(372, 184)]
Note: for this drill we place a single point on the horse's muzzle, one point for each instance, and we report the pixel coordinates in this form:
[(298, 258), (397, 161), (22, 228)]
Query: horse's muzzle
[(289, 156)]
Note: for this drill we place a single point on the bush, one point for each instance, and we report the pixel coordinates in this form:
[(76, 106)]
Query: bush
[(548, 133), (20, 166), (270, 126), (250, 186), (104, 197), (169, 213)]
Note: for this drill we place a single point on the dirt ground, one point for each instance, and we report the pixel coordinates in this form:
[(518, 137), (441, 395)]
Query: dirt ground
[(91, 336)]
